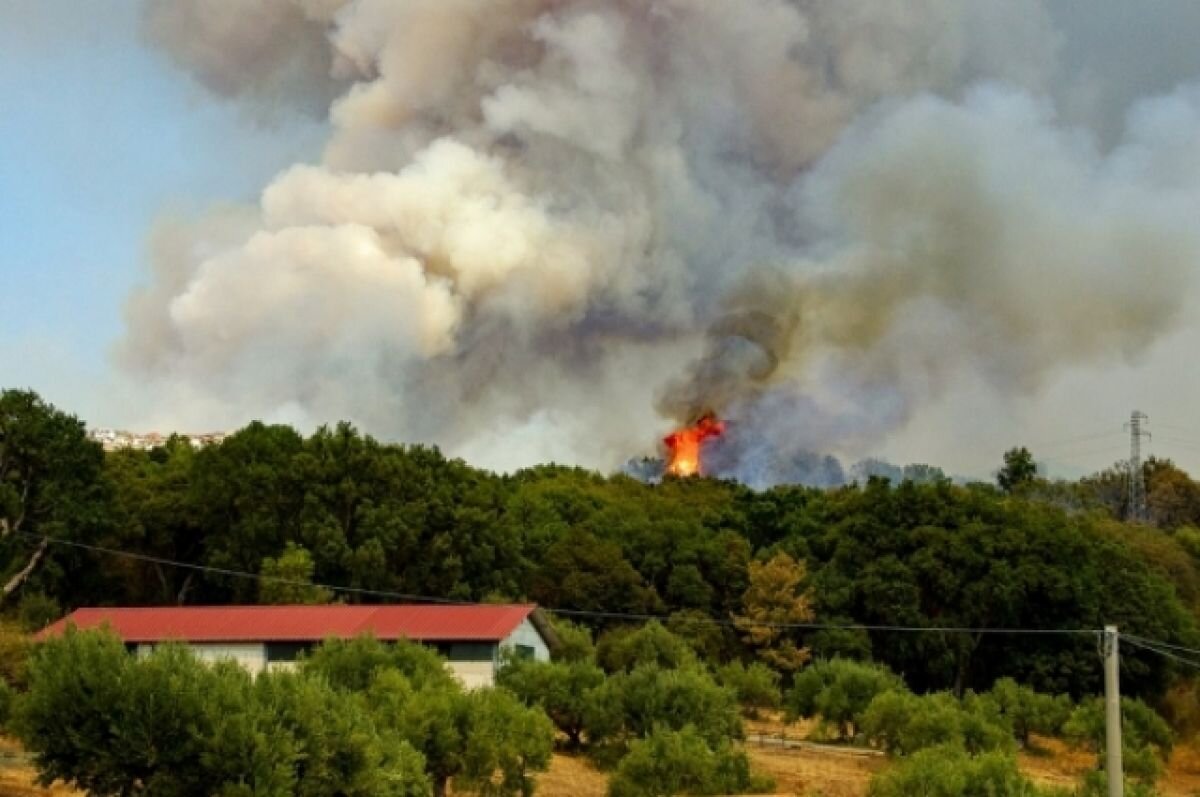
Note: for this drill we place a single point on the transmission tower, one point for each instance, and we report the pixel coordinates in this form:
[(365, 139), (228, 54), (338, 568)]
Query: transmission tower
[(1137, 481)]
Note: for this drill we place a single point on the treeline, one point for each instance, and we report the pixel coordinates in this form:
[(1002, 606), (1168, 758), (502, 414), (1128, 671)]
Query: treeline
[(339, 508)]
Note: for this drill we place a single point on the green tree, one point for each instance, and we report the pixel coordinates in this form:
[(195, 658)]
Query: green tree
[(622, 649), (353, 664), (486, 740), (97, 718), (37, 610), (156, 513), (756, 685), (288, 579), (1172, 497), (950, 772), (51, 484), (839, 691), (712, 642), (1145, 736), (574, 641), (506, 744), (629, 705), (776, 598), (1019, 470), (580, 571), (167, 724), (667, 763), (941, 555), (249, 498), (903, 723), (1030, 712), (562, 689), (337, 748), (921, 473)]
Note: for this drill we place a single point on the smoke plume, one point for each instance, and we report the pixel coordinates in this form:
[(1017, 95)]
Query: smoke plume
[(553, 229)]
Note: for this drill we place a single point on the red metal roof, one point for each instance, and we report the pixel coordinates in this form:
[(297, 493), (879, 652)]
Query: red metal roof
[(423, 623)]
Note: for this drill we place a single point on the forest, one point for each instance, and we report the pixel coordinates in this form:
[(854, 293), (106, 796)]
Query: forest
[(766, 589)]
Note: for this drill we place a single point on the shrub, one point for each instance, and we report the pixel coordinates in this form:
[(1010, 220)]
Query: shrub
[(756, 685), (574, 641), (1146, 738), (1029, 712), (561, 689), (6, 704), (951, 772), (682, 762), (112, 724), (15, 648), (623, 649), (1180, 707), (37, 610), (97, 718), (485, 739), (903, 723), (631, 705), (352, 664), (839, 691)]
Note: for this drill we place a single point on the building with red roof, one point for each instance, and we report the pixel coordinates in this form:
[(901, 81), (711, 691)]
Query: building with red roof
[(471, 637)]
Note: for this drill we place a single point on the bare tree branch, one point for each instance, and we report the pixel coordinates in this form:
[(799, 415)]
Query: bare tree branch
[(23, 574)]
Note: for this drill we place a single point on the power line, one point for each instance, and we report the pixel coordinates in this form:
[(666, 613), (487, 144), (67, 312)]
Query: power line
[(1165, 653), (1180, 441), (1160, 644), (1178, 428), (222, 571), (1067, 441), (1112, 448), (841, 627)]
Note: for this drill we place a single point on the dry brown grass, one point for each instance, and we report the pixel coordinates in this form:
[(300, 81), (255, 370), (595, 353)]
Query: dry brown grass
[(1183, 771), (572, 776), (811, 772), (1053, 763), (19, 781)]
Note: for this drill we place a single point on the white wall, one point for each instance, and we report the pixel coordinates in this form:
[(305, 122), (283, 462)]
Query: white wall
[(473, 674), (252, 655), (527, 634)]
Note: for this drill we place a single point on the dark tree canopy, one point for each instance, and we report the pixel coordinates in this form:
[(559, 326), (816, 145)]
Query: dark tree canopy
[(1019, 470), (50, 484)]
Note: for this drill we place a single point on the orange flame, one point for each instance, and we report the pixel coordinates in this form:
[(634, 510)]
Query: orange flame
[(684, 445)]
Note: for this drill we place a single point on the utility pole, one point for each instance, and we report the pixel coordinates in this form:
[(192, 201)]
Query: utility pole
[(1112, 713), (1137, 480)]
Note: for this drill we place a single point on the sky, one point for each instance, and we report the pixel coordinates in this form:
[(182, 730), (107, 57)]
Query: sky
[(99, 138), (102, 137)]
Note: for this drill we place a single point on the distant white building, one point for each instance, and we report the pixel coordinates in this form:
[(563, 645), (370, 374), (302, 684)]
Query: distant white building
[(118, 439), (471, 637)]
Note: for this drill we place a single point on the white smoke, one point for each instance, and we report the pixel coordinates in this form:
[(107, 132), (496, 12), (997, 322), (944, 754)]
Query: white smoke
[(538, 224)]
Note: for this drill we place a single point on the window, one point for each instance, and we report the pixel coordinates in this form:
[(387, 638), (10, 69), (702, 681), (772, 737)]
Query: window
[(471, 651), (286, 651), (524, 651)]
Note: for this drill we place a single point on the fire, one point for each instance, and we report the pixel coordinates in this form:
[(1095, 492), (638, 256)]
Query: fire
[(684, 445)]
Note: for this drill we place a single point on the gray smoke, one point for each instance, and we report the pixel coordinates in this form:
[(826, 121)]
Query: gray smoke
[(553, 229)]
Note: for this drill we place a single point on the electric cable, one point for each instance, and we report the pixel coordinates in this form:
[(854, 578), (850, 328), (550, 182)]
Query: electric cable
[(228, 572)]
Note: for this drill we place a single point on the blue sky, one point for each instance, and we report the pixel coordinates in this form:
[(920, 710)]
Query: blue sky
[(98, 138)]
